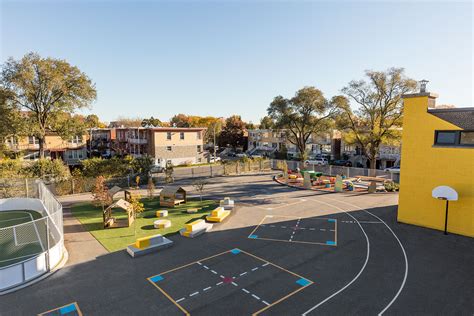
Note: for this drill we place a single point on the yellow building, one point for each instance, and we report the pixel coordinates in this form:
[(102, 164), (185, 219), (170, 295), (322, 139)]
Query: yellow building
[(438, 149)]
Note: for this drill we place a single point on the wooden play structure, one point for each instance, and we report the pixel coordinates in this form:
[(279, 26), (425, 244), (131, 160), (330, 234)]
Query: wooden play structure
[(111, 221), (172, 195)]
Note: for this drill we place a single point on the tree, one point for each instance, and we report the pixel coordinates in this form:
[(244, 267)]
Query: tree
[(127, 122), (48, 88), (153, 122), (137, 208), (307, 113), (92, 121), (100, 193), (266, 123), (13, 123), (233, 132), (378, 118), (180, 120), (199, 186), (150, 188)]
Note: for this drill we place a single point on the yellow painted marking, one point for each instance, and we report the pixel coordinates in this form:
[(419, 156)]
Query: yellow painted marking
[(253, 231), (58, 308), (281, 299), (170, 298)]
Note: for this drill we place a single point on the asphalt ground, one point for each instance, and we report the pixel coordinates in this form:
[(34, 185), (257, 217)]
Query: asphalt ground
[(376, 265)]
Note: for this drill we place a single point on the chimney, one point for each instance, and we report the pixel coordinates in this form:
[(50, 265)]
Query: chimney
[(423, 93), (423, 85)]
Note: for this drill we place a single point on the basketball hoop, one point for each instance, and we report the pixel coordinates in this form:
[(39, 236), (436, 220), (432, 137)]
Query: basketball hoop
[(447, 194)]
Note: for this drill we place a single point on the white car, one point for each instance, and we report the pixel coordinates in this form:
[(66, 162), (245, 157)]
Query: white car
[(317, 162), (241, 155), (216, 159)]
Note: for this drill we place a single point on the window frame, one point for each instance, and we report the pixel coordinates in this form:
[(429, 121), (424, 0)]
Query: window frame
[(457, 139), (181, 135), (168, 135)]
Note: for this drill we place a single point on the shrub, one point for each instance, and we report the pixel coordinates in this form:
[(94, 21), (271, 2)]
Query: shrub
[(391, 186), (55, 169)]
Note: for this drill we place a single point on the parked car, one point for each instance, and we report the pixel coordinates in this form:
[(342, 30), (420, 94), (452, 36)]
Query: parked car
[(241, 155), (342, 162), (157, 169), (216, 159), (256, 156), (231, 154), (317, 161), (393, 169)]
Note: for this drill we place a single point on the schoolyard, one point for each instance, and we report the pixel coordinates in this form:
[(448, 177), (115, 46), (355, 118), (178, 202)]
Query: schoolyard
[(282, 252)]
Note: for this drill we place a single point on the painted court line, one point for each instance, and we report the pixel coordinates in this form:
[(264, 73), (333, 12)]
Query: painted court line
[(401, 246)]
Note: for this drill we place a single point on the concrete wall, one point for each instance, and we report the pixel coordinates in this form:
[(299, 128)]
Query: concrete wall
[(424, 167)]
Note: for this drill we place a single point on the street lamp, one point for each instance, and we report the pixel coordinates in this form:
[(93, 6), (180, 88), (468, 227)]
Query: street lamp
[(214, 143)]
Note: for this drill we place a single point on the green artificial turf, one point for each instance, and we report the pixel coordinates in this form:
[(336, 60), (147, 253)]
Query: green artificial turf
[(114, 239)]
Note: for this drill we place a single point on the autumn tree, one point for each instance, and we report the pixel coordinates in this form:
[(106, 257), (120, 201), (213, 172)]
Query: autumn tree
[(306, 114), (233, 132), (13, 123), (199, 186), (377, 118), (150, 188), (48, 88), (100, 193), (92, 121), (127, 122), (180, 120)]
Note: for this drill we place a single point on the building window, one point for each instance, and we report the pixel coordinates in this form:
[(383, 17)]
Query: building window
[(446, 138), (198, 135), (33, 140), (454, 138), (168, 136), (181, 135), (168, 148), (76, 139), (467, 138), (198, 148)]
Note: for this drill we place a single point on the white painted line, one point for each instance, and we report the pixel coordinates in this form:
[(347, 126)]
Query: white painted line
[(264, 302), (265, 264), (219, 283), (14, 236), (357, 275), (272, 225), (256, 268), (213, 271), (206, 267), (195, 293), (322, 229), (243, 273), (199, 263), (333, 230), (312, 229), (245, 291), (255, 296), (222, 277), (207, 288), (283, 226), (404, 256), (234, 284), (301, 228), (177, 301)]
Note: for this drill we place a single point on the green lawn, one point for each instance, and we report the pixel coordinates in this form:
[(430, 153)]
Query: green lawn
[(114, 239)]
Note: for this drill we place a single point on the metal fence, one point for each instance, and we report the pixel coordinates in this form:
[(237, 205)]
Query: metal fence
[(32, 247), (332, 170)]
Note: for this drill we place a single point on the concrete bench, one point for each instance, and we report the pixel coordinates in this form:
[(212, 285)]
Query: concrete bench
[(162, 213), (162, 223), (146, 245), (218, 215), (192, 210), (196, 228), (227, 203)]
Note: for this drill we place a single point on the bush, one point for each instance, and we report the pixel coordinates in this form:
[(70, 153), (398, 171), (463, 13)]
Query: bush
[(10, 168), (54, 169), (391, 186), (108, 168)]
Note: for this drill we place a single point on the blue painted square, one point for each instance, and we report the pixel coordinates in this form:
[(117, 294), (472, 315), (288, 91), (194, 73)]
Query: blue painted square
[(67, 309), (330, 242), (253, 236), (303, 282), (331, 220), (235, 251), (156, 278)]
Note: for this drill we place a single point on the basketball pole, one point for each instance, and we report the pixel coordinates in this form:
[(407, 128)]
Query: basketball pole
[(446, 218)]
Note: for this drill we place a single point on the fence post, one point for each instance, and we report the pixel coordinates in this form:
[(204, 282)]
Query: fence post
[(26, 187), (72, 185)]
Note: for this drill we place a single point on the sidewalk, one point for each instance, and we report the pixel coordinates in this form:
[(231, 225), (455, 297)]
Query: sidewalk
[(80, 244)]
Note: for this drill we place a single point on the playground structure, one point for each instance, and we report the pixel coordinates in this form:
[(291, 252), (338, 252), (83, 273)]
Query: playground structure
[(172, 195), (314, 180), (111, 221)]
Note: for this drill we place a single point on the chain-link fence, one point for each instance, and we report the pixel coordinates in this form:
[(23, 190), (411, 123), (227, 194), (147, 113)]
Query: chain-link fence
[(31, 233)]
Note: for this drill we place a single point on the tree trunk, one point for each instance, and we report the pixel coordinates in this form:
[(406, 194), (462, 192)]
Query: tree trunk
[(373, 165), (41, 146)]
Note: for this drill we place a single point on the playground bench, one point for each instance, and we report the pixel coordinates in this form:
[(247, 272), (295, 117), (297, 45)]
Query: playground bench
[(227, 203), (196, 228), (146, 245), (218, 215)]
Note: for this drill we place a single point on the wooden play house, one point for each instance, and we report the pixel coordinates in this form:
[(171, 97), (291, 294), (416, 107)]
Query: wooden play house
[(172, 195), (111, 221)]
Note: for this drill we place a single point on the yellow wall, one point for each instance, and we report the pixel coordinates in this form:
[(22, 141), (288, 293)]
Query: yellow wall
[(424, 167)]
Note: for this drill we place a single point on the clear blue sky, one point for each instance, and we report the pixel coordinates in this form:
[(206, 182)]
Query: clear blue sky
[(221, 58)]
